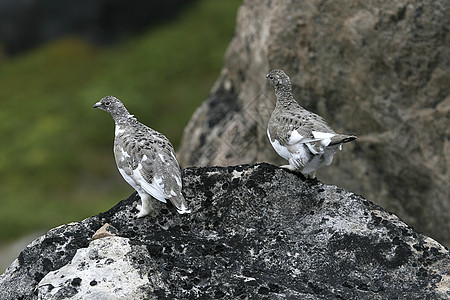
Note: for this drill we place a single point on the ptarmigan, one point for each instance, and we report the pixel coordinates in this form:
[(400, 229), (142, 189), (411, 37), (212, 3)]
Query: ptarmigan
[(299, 136), (145, 159)]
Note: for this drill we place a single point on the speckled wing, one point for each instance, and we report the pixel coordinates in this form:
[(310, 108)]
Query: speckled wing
[(163, 167), (148, 161), (300, 126)]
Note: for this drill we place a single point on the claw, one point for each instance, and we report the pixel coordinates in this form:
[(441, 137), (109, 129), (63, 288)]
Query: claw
[(289, 167)]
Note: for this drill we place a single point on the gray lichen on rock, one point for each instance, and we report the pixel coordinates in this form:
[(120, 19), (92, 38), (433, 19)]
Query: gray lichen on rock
[(255, 231)]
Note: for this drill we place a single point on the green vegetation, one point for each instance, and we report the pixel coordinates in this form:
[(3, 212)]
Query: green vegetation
[(56, 161)]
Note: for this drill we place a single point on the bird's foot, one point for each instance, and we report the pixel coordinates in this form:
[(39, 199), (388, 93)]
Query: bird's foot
[(142, 213), (144, 209), (311, 175), (183, 210), (289, 167)]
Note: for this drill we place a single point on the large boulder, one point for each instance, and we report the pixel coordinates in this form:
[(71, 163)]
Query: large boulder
[(255, 232), (377, 69)]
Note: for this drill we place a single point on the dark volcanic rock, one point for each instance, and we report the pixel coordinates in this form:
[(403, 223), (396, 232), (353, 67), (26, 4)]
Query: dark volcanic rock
[(378, 69), (255, 232)]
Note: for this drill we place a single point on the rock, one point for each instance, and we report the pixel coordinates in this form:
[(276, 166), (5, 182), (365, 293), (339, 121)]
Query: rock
[(255, 231), (106, 269), (104, 231), (378, 69)]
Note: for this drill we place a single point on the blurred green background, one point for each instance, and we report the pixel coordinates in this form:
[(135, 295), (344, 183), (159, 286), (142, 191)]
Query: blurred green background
[(56, 160)]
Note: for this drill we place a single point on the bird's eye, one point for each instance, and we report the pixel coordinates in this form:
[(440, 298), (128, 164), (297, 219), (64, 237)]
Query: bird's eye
[(107, 103), (270, 77)]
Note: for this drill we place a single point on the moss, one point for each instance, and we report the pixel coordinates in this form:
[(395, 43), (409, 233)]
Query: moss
[(56, 162)]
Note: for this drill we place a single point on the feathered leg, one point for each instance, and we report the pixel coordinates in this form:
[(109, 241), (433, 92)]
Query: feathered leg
[(145, 208)]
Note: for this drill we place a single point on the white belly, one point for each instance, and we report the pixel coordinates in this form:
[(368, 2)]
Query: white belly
[(280, 149)]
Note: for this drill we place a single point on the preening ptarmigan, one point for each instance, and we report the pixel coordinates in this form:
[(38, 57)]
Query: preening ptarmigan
[(145, 159), (300, 136)]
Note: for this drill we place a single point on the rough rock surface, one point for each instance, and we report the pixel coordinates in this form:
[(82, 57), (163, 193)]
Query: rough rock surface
[(377, 69), (256, 232), (103, 270)]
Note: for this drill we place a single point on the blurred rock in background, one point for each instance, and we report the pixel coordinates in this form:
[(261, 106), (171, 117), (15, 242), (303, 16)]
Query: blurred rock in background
[(376, 69)]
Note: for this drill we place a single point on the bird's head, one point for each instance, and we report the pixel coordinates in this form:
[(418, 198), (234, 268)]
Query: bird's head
[(277, 78), (117, 110), (109, 104)]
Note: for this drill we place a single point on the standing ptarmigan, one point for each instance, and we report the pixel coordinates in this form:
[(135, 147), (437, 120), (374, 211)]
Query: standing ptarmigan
[(299, 136), (145, 159)]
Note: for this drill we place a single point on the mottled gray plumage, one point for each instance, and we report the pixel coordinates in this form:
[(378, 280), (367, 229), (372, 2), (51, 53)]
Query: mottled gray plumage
[(300, 136), (145, 158)]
